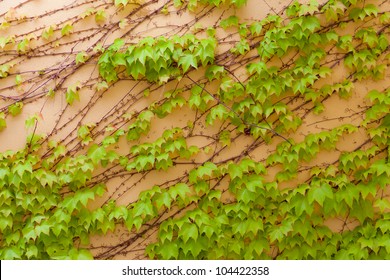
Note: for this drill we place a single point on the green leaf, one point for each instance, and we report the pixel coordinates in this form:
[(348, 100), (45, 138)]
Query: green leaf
[(72, 94), (235, 171), (84, 196), (100, 16), (3, 123), (143, 209), (81, 254), (320, 193), (121, 2), (23, 45), (101, 86), (51, 93), (81, 57), (382, 204), (164, 199), (168, 250), (214, 72), (67, 29), (18, 80), (229, 22), (11, 253), (15, 108), (5, 223), (4, 41), (188, 231), (83, 132), (256, 28), (96, 153), (4, 70), (186, 61), (32, 251), (31, 121), (279, 232), (180, 189), (48, 33), (224, 138)]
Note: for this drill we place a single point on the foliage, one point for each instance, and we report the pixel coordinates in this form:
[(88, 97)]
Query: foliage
[(226, 205)]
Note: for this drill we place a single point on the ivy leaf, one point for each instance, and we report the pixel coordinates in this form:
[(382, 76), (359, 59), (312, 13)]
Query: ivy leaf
[(81, 254), (214, 72), (43, 228), (169, 250), (18, 80), (48, 33), (72, 94), (11, 253), (381, 167), (188, 231), (229, 22), (256, 28), (238, 3), (101, 86), (31, 121), (81, 57), (15, 108), (23, 45), (180, 189), (83, 131), (4, 41), (3, 123), (186, 61), (100, 16), (143, 209), (279, 232), (67, 29), (121, 2), (32, 251), (235, 171), (224, 138), (362, 210), (96, 153), (164, 199), (145, 162), (320, 193), (382, 204)]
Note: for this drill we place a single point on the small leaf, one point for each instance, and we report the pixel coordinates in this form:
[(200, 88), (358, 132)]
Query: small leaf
[(188, 231), (320, 193), (67, 29), (229, 22), (96, 153), (18, 80), (100, 16), (121, 2), (3, 123), (30, 121), (81, 57), (15, 108), (101, 86), (186, 61), (72, 94), (48, 33), (169, 250)]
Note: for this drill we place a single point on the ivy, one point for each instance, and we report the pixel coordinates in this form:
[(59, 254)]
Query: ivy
[(158, 59)]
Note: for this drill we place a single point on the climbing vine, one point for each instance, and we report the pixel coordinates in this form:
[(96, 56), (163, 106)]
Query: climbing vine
[(193, 140)]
